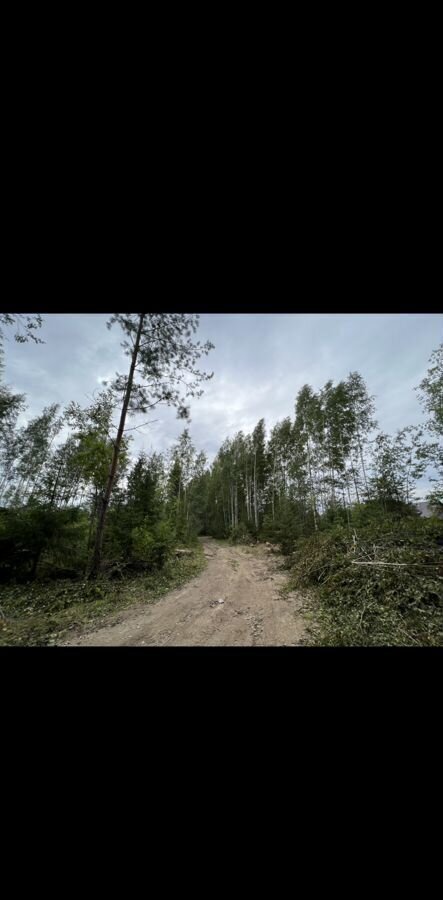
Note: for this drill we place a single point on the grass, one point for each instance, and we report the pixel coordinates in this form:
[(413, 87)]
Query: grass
[(43, 613)]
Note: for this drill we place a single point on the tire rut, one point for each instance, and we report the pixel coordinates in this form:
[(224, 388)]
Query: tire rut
[(235, 601)]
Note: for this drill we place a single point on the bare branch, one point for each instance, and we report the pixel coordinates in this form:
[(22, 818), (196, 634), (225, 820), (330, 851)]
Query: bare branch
[(355, 562), (142, 425)]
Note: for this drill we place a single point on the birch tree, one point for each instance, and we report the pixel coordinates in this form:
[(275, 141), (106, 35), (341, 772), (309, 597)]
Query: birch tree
[(430, 392)]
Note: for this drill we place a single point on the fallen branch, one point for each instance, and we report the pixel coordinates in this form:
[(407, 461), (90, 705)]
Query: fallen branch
[(406, 565), (411, 638), (362, 614)]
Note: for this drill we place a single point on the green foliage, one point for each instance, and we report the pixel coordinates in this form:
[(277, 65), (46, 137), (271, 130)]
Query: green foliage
[(431, 396), (381, 584), (92, 458), (10, 407), (24, 324), (287, 528), (42, 614), (431, 392), (166, 352), (241, 534), (145, 494), (153, 546), (38, 540), (375, 513), (187, 490)]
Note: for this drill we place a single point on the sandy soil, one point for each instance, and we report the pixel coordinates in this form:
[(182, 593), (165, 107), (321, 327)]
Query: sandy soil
[(254, 612)]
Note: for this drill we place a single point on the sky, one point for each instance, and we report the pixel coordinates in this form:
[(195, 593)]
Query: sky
[(260, 362)]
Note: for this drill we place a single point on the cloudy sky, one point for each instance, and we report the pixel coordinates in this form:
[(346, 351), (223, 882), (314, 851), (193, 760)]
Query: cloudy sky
[(260, 362)]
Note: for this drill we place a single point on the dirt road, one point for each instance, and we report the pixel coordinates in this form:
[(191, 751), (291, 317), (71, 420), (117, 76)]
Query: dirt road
[(253, 612)]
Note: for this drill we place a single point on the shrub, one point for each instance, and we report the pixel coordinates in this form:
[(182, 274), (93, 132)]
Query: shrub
[(241, 534), (40, 539), (152, 546)]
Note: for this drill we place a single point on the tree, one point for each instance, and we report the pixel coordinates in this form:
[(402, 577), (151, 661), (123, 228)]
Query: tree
[(409, 461), (186, 488), (144, 493), (137, 508), (32, 453), (363, 422), (431, 392), (162, 353), (25, 326), (197, 496), (279, 457), (90, 456), (431, 397), (306, 431), (259, 470), (397, 464), (62, 478), (11, 405)]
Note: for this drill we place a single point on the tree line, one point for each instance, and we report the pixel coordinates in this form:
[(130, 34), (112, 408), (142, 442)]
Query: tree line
[(329, 463), (73, 499)]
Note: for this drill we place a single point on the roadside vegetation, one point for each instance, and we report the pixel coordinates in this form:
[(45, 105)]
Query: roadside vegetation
[(43, 613), (379, 585)]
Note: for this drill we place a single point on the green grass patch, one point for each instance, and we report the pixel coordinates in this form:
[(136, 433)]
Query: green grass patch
[(44, 613)]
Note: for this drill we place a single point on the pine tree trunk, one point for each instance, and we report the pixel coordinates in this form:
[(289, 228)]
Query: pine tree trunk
[(96, 559)]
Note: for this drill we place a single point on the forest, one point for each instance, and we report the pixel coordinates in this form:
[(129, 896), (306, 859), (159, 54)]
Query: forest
[(82, 520)]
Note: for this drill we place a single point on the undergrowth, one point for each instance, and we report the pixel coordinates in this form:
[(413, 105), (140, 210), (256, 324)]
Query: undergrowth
[(361, 601), (43, 613)]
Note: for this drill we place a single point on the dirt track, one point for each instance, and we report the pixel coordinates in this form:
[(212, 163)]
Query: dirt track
[(253, 612)]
